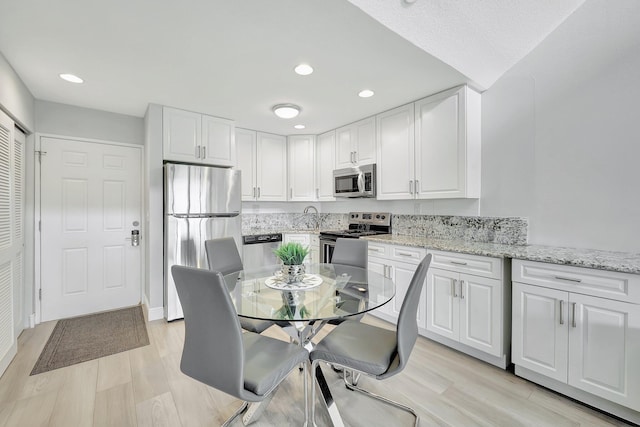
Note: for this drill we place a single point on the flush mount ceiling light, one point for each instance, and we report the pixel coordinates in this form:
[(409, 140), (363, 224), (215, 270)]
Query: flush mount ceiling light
[(303, 69), (365, 93), (299, 126), (71, 78), (286, 111)]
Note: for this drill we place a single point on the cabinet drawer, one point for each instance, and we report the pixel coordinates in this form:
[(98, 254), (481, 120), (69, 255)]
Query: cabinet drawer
[(378, 250), (464, 263), (407, 254), (602, 283), (303, 239)]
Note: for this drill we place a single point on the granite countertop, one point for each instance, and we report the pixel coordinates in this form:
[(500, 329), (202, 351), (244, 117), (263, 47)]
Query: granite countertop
[(589, 258)]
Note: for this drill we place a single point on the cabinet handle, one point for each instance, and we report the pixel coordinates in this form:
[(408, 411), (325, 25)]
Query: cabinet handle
[(254, 192), (291, 193), (570, 279), (258, 192), (453, 288), (410, 186), (458, 262), (417, 186), (461, 289), (317, 193), (204, 151), (355, 157), (573, 314), (405, 254), (561, 314), (197, 151)]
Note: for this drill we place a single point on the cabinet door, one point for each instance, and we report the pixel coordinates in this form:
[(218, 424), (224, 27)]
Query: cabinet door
[(345, 151), (301, 164), (365, 147), (448, 145), (271, 170), (402, 273), (379, 266), (443, 314), (604, 348), (481, 313), (539, 330), (303, 239), (395, 165), (246, 147), (218, 141), (181, 135), (325, 164)]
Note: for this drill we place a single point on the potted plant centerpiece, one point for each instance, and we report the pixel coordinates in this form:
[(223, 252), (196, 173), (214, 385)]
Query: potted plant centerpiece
[(292, 255)]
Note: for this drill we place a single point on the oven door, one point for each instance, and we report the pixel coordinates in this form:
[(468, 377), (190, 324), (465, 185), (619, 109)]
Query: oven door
[(326, 250)]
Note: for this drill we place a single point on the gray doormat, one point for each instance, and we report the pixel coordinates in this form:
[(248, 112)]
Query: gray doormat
[(89, 337)]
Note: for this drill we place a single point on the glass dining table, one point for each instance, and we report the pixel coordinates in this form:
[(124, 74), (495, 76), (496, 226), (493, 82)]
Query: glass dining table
[(326, 292)]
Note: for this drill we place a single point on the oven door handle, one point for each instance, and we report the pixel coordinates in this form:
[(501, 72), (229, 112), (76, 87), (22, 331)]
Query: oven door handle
[(361, 182)]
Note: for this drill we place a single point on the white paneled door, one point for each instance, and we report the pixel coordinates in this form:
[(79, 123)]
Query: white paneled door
[(90, 204)]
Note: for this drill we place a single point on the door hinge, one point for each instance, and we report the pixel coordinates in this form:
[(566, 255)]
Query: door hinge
[(40, 154), (40, 294)]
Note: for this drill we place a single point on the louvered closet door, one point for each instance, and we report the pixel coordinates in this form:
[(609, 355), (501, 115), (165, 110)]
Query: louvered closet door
[(9, 247)]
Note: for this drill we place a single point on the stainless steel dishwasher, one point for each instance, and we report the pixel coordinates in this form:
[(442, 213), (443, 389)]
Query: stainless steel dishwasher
[(257, 250)]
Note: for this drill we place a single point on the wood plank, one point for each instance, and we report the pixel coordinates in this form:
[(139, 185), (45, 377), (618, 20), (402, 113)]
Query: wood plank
[(33, 411), (113, 370), (114, 407), (76, 398), (158, 411)]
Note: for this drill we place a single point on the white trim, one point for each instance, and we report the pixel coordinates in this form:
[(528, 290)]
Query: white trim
[(6, 360), (37, 282), (153, 313)]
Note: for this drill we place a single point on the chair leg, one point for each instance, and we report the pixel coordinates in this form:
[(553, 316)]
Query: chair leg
[(235, 414), (353, 387)]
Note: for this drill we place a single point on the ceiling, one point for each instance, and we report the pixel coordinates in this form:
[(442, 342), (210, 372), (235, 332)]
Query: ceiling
[(235, 59)]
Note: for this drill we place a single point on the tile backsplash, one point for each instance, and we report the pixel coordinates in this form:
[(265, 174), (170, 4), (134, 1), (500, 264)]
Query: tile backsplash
[(504, 230)]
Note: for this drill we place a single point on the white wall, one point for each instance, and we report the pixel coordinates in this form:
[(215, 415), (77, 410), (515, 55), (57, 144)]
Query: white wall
[(561, 133), (69, 120), (15, 98)]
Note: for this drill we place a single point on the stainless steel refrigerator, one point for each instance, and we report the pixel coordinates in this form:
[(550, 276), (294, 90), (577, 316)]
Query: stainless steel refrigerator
[(200, 203)]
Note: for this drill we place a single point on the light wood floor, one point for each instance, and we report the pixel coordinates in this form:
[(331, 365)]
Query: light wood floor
[(145, 387)]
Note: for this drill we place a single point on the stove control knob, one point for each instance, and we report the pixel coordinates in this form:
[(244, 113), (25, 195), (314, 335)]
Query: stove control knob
[(383, 216), (377, 216)]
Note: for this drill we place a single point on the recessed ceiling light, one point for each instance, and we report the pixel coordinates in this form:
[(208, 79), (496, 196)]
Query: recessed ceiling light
[(299, 126), (365, 93), (71, 78), (304, 69), (286, 111)]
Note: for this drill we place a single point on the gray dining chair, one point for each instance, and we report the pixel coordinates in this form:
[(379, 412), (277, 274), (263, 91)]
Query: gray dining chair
[(371, 350), (247, 365), (223, 256), (352, 253)]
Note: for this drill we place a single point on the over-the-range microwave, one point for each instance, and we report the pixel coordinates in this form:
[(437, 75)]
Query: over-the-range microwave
[(358, 181)]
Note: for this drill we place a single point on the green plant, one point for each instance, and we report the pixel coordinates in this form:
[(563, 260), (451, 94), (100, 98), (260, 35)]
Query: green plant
[(291, 253)]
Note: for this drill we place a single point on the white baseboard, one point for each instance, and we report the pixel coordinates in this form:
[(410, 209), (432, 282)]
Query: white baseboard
[(153, 313)]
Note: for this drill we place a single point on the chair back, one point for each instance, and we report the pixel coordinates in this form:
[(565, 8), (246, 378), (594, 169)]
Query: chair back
[(353, 252), (407, 329), (223, 255), (213, 352)]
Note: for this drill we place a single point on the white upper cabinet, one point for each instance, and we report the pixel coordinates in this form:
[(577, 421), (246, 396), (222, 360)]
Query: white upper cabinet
[(262, 158), (197, 138), (447, 148), (218, 141), (246, 146), (430, 149), (356, 144), (325, 163), (271, 170), (395, 166), (301, 164)]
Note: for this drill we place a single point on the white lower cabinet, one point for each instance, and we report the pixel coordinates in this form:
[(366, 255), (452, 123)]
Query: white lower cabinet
[(565, 331), (398, 263), (304, 240), (466, 309), (467, 305)]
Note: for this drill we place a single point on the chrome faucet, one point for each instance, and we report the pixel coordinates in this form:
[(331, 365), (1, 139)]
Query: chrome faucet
[(317, 216)]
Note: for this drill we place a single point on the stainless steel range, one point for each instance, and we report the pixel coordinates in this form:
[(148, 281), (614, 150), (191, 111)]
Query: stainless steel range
[(361, 224)]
